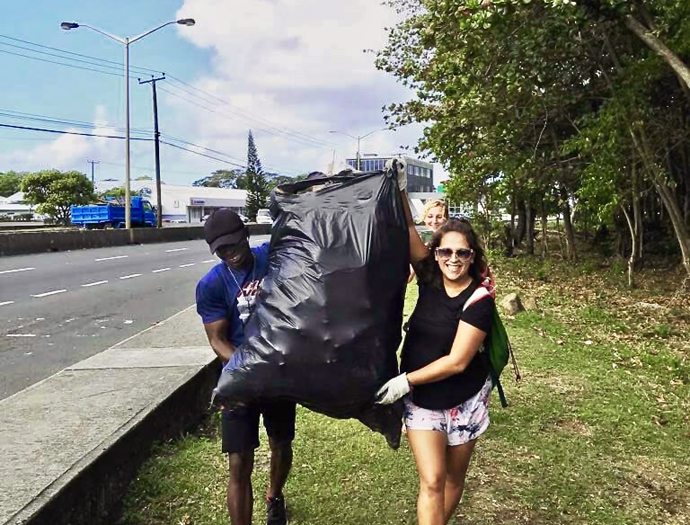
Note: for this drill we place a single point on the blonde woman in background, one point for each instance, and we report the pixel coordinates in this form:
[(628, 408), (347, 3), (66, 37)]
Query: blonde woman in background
[(434, 215)]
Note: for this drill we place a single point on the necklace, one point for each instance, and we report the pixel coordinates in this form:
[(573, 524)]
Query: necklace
[(250, 304)]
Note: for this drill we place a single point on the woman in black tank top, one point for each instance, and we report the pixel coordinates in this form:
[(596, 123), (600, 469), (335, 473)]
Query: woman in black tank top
[(445, 382)]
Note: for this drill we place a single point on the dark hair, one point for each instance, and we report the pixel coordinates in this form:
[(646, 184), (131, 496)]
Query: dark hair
[(428, 271)]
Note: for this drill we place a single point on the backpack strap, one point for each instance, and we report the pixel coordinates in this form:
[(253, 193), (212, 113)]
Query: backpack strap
[(479, 293)]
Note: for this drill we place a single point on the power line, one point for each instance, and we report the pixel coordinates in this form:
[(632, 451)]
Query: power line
[(19, 115), (60, 63), (248, 115), (62, 132), (218, 112), (120, 137), (119, 64), (107, 67)]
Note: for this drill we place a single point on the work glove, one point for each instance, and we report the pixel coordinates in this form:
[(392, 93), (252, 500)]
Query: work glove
[(402, 171), (393, 390)]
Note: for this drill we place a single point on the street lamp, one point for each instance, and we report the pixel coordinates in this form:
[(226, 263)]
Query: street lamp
[(358, 139), (126, 42)]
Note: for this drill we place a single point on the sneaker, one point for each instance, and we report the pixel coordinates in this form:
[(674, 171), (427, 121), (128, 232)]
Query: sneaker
[(276, 512)]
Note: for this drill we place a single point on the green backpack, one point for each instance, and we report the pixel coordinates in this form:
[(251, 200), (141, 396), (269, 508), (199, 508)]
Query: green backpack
[(496, 345)]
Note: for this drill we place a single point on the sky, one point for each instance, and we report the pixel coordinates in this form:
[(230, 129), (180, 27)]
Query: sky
[(291, 71)]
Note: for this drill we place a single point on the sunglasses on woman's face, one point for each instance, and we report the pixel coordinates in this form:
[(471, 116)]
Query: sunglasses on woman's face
[(446, 253)]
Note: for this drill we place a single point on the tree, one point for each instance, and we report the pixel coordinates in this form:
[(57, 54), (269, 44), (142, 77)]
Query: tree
[(257, 186), (233, 179), (572, 100), (117, 193), (54, 192), (10, 183), (143, 177)]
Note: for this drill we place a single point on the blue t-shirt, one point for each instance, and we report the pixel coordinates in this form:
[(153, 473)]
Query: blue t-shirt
[(218, 295)]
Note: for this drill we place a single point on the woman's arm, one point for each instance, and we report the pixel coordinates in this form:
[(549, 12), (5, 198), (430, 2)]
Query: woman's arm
[(418, 249), (467, 342)]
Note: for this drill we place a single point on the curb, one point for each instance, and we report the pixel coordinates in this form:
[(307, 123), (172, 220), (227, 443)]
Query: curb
[(97, 428), (93, 495)]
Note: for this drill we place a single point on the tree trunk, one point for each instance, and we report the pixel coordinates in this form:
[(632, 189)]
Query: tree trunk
[(529, 227), (656, 45), (544, 231), (519, 232), (668, 198), (571, 253), (637, 213), (633, 251)]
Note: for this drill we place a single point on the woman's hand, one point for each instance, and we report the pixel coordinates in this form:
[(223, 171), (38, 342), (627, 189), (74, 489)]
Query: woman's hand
[(402, 172), (393, 390)]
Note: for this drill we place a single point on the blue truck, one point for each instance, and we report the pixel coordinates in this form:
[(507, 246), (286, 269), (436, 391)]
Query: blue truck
[(112, 214)]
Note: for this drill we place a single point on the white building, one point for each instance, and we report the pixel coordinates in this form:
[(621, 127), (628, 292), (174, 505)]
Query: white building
[(13, 205), (183, 203)]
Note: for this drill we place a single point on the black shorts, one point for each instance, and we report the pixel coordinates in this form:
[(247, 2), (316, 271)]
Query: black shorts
[(240, 425)]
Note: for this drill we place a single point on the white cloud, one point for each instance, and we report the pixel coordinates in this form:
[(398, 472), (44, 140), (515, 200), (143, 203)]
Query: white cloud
[(69, 152), (289, 70), (287, 65)]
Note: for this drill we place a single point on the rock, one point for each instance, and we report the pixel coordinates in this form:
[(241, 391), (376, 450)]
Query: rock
[(530, 304), (511, 304)]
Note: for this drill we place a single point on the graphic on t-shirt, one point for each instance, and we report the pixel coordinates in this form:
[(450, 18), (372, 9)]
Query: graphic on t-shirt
[(246, 299)]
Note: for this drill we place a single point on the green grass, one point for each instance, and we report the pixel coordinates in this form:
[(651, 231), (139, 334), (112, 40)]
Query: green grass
[(597, 431)]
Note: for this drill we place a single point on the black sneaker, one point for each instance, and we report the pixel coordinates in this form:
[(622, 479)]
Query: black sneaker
[(276, 512)]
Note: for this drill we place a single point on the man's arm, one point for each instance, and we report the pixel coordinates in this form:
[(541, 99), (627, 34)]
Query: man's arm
[(217, 337)]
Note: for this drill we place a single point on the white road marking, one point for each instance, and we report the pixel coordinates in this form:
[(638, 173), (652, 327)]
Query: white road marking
[(186, 265), (160, 270), (46, 294), (111, 258), (21, 335), (18, 270), (93, 284), (6, 302), (176, 250), (208, 261), (130, 276)]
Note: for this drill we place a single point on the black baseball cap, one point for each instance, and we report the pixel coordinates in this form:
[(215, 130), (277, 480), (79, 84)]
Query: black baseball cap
[(223, 227)]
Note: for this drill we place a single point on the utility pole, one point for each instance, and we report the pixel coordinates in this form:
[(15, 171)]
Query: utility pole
[(92, 162), (156, 146)]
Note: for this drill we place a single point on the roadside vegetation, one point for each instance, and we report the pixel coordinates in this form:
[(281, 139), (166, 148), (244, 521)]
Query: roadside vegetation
[(597, 431)]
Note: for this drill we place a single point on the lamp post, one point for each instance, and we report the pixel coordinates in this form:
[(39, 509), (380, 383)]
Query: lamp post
[(126, 42), (358, 139)]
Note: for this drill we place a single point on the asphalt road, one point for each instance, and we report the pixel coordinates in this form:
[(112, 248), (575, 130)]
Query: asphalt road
[(57, 309)]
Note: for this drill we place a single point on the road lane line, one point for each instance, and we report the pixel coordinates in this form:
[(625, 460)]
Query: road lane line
[(111, 258), (186, 265), (130, 276), (160, 270), (176, 250), (93, 284), (46, 294), (208, 261), (21, 335), (6, 302), (18, 270)]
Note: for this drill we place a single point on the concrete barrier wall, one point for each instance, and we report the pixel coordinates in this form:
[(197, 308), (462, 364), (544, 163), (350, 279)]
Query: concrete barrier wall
[(17, 243)]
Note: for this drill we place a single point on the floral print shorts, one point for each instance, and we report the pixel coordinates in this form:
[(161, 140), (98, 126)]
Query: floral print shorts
[(461, 424)]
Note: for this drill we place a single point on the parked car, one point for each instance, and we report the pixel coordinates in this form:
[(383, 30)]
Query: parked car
[(263, 216)]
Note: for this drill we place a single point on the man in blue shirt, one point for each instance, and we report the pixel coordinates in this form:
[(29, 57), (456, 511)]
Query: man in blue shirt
[(225, 298)]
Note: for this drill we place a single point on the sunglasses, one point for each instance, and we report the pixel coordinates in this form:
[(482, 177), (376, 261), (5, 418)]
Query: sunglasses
[(446, 253)]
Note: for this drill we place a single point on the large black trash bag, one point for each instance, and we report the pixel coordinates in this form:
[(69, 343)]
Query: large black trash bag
[(328, 320)]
